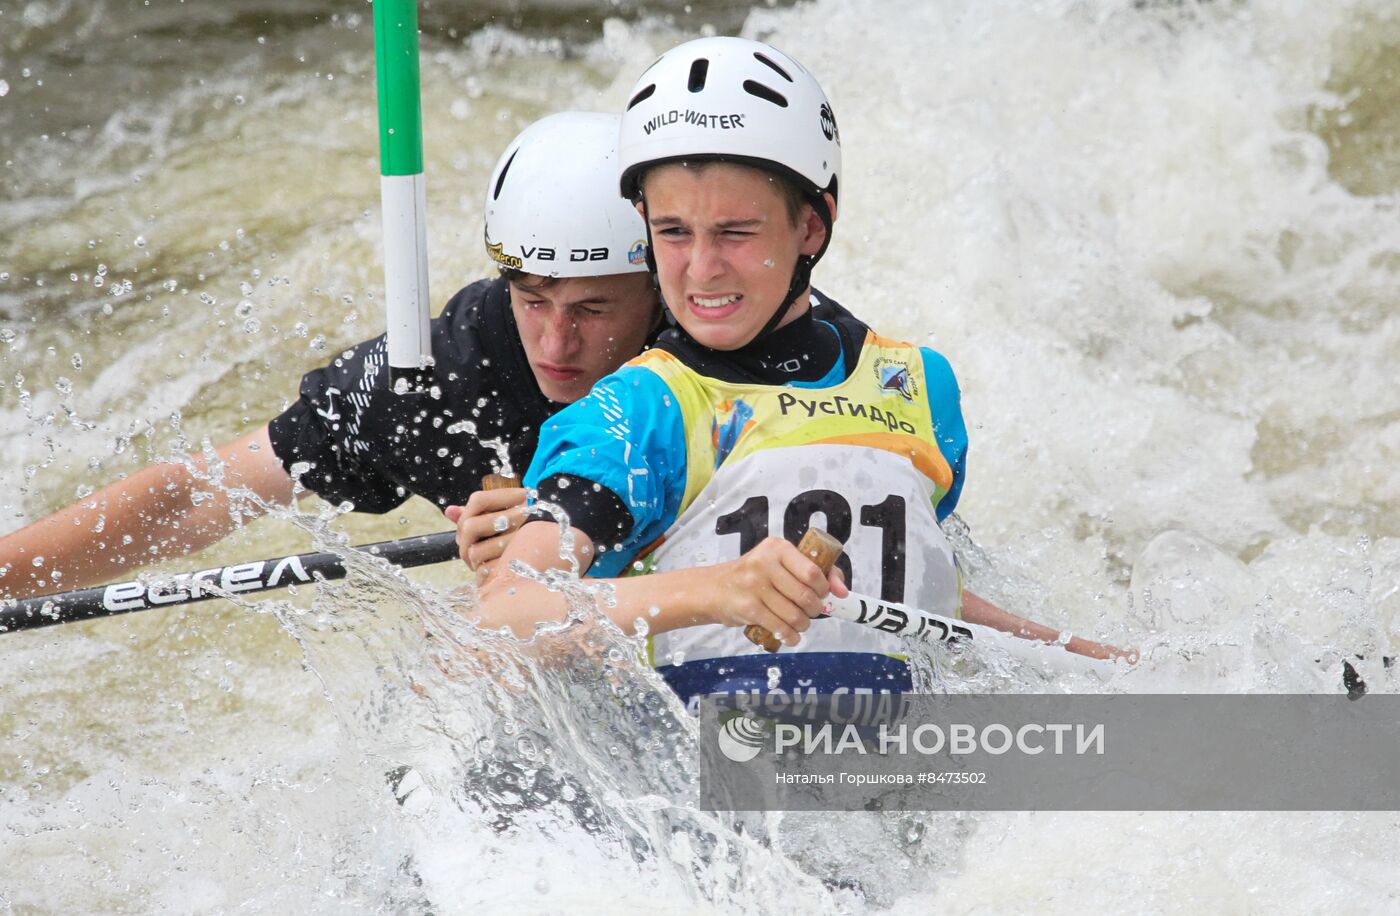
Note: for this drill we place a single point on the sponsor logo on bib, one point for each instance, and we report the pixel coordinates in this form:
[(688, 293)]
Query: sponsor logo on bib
[(893, 375)]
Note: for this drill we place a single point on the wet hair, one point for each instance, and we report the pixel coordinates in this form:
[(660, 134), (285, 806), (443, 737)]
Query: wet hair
[(793, 196), (526, 280)]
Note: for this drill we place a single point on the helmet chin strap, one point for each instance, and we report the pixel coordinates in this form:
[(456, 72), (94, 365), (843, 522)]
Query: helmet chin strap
[(667, 316), (801, 273), (801, 279)]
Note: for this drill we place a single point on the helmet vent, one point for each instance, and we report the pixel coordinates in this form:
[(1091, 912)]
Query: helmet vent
[(698, 71), (641, 97), (763, 92), (500, 182), (776, 69)]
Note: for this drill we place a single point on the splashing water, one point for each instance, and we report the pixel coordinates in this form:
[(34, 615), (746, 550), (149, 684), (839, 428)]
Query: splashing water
[(1156, 241)]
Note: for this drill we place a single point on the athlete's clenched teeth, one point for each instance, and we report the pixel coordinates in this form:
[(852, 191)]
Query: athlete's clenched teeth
[(717, 302)]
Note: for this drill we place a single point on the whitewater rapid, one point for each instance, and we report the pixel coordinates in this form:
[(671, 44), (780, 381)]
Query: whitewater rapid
[(1157, 242)]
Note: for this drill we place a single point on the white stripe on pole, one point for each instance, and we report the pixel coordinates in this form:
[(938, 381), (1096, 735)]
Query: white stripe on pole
[(406, 271)]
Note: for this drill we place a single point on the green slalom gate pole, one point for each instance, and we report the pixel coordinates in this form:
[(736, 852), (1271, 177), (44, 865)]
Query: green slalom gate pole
[(402, 192)]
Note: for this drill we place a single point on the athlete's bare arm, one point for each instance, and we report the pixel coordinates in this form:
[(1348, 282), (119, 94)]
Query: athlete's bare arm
[(685, 597), (156, 513), (773, 585)]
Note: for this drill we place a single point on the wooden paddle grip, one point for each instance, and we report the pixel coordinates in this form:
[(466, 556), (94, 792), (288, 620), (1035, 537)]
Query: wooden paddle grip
[(824, 550), (498, 482)]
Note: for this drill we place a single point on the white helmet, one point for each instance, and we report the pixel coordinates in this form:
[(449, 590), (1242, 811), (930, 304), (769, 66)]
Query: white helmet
[(734, 99), (740, 101), (552, 208)]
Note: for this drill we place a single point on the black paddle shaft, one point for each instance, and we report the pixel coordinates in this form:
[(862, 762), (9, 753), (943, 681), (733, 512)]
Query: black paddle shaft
[(219, 582)]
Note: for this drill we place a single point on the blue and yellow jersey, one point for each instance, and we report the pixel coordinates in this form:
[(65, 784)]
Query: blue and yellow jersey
[(708, 466), (632, 435)]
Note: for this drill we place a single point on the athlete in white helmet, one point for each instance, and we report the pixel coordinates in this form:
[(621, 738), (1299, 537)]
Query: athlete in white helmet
[(573, 302), (742, 102), (551, 210), (751, 419)]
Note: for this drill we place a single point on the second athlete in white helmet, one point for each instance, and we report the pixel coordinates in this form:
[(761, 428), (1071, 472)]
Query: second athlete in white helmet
[(573, 303)]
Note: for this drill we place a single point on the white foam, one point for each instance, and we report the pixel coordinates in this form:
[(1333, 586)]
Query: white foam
[(1173, 327)]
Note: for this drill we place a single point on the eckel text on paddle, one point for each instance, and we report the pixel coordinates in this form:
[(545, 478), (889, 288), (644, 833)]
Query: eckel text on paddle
[(244, 577)]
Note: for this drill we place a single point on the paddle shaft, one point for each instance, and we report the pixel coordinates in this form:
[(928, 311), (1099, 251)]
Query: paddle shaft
[(219, 582), (912, 623), (424, 550), (223, 581)]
